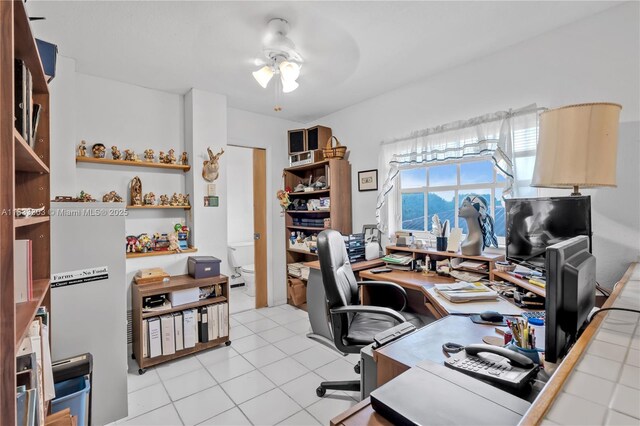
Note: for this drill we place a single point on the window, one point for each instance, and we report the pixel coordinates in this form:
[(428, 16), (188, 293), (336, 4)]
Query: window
[(440, 188)]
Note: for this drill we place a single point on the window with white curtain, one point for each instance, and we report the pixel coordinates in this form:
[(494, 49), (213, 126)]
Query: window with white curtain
[(439, 188)]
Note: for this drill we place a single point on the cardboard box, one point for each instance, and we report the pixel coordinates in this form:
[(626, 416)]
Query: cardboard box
[(184, 297)]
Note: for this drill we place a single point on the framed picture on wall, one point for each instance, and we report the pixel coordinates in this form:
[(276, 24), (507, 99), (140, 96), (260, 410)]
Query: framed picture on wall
[(368, 180)]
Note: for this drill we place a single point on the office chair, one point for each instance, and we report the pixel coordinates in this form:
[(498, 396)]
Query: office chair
[(354, 325)]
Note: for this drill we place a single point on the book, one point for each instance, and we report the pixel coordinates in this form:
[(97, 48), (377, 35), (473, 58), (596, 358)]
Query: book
[(223, 320), (37, 108), (155, 338), (178, 327), (145, 338), (190, 328), (29, 111), (203, 325), (213, 322), (473, 265), (465, 292), (20, 97), (21, 406), (23, 285), (398, 259), (168, 335), (461, 286)]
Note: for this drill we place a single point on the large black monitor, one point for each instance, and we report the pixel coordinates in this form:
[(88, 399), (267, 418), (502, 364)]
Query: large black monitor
[(570, 294), (533, 224)]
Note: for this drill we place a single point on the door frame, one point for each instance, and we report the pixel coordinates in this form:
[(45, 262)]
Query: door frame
[(260, 246)]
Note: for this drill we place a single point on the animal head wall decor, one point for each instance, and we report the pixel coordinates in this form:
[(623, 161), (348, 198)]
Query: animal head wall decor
[(210, 167)]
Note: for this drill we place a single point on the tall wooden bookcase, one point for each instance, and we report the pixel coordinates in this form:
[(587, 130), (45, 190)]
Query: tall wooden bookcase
[(24, 182), (338, 175)]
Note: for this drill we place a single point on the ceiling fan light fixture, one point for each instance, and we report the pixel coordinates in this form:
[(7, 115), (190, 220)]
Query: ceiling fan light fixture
[(263, 76), (288, 86), (290, 71)]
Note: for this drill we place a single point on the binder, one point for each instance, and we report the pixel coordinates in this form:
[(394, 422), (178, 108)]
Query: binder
[(20, 102), (203, 325), (22, 270), (168, 335), (213, 322), (155, 338), (145, 338), (177, 325), (190, 328), (223, 320)]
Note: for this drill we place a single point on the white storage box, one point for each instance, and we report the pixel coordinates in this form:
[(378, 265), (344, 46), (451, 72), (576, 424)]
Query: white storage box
[(183, 297)]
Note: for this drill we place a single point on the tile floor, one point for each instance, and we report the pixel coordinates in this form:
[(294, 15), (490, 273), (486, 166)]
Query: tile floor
[(267, 376), (240, 300)]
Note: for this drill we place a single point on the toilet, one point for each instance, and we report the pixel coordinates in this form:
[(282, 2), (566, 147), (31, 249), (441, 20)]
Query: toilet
[(241, 260)]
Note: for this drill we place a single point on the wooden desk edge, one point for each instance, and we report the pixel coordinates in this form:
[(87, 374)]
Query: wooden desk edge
[(363, 409), (535, 414)]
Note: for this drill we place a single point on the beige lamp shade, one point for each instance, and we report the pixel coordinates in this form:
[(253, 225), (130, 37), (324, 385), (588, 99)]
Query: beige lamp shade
[(578, 146)]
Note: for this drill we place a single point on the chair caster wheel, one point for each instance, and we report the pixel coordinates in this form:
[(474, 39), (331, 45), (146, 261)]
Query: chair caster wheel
[(133, 356), (320, 391), (356, 368), (141, 371), (227, 343)]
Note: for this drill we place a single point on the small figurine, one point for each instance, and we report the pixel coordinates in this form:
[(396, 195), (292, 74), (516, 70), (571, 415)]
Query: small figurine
[(111, 197), (144, 242), (184, 160), (129, 155), (132, 241), (162, 157), (85, 197), (98, 150), (82, 149), (173, 242), (174, 200), (149, 199), (136, 191), (171, 158), (164, 200), (148, 155), (211, 168), (115, 153), (186, 201)]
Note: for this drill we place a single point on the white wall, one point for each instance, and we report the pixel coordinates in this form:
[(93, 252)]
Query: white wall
[(240, 184), (596, 59)]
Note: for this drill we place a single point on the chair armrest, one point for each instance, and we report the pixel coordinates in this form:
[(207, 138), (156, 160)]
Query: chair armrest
[(368, 309), (387, 284)]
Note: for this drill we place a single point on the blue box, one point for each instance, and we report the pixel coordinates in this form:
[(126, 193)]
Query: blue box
[(72, 394)]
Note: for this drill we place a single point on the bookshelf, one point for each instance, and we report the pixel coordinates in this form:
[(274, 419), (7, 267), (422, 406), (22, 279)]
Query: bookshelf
[(24, 172), (176, 283), (338, 175)]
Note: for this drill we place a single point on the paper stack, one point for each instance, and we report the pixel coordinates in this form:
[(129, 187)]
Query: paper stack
[(465, 292), (398, 261), (298, 270)]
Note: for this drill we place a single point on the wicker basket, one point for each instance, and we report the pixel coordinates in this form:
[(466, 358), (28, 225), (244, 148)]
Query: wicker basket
[(502, 267), (331, 151)]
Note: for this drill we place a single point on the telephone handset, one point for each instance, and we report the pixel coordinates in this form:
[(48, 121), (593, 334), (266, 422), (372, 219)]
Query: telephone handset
[(494, 364)]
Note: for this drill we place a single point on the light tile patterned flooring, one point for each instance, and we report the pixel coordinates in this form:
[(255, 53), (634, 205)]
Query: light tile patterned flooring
[(267, 376)]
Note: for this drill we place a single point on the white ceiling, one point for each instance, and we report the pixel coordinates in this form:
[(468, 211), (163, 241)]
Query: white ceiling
[(352, 50)]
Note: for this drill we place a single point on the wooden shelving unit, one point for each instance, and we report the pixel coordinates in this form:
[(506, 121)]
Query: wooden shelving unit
[(489, 258), (161, 253), (503, 276), (176, 283), (132, 163), (24, 173), (338, 175)]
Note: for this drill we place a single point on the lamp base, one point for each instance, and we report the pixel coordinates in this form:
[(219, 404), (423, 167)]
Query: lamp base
[(576, 191)]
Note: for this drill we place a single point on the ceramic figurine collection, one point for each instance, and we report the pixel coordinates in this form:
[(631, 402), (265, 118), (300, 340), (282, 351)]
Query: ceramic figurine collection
[(177, 240), (99, 151)]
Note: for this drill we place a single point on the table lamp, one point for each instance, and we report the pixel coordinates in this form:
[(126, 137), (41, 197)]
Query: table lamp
[(577, 147)]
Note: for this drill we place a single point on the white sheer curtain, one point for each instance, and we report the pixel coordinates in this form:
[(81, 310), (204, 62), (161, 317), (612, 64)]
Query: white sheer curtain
[(491, 135)]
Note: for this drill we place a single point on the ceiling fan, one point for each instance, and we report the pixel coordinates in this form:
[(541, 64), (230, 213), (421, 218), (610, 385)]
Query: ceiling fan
[(281, 57)]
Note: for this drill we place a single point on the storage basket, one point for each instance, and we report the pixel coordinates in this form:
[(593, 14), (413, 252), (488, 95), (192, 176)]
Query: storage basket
[(331, 151)]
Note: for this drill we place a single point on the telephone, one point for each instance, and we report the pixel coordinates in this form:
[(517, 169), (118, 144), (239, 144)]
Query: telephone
[(494, 364)]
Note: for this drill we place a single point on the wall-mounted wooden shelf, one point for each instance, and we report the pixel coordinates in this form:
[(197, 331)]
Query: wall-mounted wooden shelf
[(301, 252), (161, 253), (310, 193), (26, 311), (132, 163), (308, 211), (305, 167), (26, 159), (159, 207)]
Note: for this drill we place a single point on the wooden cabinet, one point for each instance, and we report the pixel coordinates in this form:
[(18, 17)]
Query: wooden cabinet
[(176, 283), (24, 173), (338, 177)]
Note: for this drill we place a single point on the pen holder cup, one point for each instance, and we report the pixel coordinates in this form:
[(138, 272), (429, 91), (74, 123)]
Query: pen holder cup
[(532, 354), (441, 243)]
